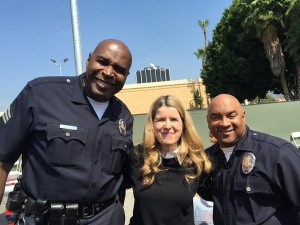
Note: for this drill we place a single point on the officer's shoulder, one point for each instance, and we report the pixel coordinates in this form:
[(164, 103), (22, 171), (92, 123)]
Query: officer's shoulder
[(116, 99), (268, 139), (211, 149), (53, 79)]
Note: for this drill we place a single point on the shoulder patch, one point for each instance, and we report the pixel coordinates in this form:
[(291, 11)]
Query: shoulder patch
[(7, 115)]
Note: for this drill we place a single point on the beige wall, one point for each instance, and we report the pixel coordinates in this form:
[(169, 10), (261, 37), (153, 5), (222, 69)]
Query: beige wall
[(138, 97)]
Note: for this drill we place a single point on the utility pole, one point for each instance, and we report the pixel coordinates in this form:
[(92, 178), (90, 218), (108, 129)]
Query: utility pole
[(76, 37)]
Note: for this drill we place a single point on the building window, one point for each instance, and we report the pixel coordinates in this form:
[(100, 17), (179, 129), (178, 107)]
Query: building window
[(152, 73)]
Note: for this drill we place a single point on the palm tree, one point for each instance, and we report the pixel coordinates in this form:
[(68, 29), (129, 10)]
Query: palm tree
[(203, 24), (293, 39), (267, 16), (200, 54), (198, 99)]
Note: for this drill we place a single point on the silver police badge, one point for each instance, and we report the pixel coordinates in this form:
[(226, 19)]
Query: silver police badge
[(122, 127), (248, 163)]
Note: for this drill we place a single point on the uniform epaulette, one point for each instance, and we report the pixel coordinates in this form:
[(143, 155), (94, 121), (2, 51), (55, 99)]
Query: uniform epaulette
[(43, 80), (268, 138)]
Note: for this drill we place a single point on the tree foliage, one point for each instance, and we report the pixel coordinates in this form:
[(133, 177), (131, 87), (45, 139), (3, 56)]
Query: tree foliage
[(292, 45), (267, 99), (293, 33), (235, 62), (203, 24), (240, 61), (198, 99), (200, 54)]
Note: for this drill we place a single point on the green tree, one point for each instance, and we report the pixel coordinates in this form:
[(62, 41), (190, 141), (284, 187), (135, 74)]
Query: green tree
[(248, 29), (292, 41), (267, 17), (203, 24), (235, 62), (198, 99), (267, 99), (200, 54)]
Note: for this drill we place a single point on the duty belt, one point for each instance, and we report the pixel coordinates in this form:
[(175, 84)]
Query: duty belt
[(60, 211), (89, 210)]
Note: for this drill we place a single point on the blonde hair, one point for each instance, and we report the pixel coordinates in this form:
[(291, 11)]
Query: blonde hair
[(191, 149)]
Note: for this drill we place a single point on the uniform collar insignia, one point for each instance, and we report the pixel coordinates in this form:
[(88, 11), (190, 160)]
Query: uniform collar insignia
[(122, 127), (248, 163)]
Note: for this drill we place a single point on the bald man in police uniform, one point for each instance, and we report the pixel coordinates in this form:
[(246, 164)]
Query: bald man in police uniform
[(255, 178), (73, 135)]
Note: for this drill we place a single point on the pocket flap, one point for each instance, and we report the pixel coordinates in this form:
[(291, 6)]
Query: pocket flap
[(120, 144), (251, 185), (55, 131)]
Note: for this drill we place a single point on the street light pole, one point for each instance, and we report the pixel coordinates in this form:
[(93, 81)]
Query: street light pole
[(76, 37), (60, 64)]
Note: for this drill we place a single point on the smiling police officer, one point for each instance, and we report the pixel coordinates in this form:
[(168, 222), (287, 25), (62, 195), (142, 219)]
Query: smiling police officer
[(255, 178), (73, 135)]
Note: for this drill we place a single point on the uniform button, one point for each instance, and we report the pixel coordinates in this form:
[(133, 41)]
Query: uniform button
[(68, 80), (100, 142), (94, 185), (248, 189), (68, 134), (226, 211), (96, 162)]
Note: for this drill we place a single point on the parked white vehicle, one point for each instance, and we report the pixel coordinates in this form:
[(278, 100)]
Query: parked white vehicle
[(13, 176)]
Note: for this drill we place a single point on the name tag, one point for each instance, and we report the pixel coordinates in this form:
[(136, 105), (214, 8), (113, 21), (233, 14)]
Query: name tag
[(69, 127)]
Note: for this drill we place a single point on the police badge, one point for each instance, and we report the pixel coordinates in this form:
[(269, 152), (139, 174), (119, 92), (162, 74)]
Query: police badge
[(122, 127), (248, 163)]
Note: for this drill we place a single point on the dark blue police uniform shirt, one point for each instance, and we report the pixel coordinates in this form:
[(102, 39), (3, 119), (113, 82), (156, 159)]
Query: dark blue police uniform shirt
[(68, 153), (268, 195)]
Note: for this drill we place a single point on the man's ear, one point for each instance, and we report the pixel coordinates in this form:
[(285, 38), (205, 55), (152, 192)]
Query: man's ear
[(89, 58)]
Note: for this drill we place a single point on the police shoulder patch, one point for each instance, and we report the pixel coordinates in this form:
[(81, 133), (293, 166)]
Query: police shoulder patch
[(6, 116)]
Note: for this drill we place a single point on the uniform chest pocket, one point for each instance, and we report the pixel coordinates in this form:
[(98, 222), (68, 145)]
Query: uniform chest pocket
[(251, 192), (252, 185), (65, 144), (113, 161)]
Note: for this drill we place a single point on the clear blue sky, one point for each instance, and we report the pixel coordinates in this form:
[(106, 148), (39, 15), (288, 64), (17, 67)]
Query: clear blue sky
[(162, 32)]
